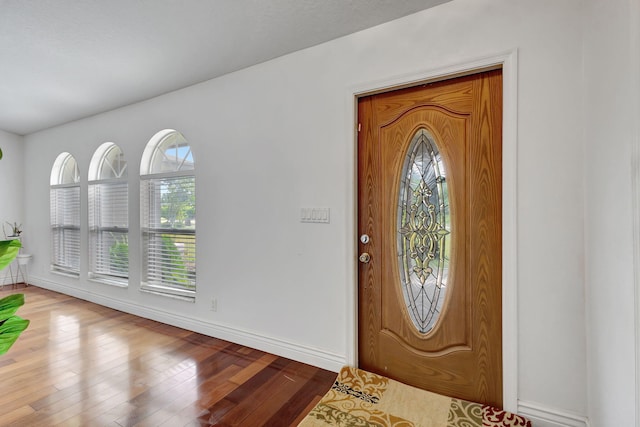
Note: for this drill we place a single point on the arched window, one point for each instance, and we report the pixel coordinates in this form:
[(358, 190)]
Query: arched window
[(64, 198), (168, 209), (108, 216)]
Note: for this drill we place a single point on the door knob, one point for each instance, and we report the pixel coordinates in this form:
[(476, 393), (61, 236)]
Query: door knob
[(364, 258)]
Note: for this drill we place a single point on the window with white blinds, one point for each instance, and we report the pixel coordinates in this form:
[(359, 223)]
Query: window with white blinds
[(109, 216), (168, 223), (64, 198), (109, 232)]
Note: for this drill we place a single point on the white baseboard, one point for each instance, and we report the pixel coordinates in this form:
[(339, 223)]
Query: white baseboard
[(305, 354), (545, 416)]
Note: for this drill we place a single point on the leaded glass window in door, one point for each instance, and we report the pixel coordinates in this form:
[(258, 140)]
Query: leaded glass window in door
[(424, 231)]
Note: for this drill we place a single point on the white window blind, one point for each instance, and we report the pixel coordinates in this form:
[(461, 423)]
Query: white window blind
[(65, 228), (109, 231), (169, 233), (108, 216)]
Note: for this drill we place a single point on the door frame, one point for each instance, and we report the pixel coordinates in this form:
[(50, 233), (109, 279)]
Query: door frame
[(508, 61)]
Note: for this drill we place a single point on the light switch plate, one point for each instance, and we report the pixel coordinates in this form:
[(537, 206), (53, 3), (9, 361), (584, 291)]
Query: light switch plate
[(317, 215)]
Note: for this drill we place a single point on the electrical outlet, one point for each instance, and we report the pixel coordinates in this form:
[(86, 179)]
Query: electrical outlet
[(214, 304)]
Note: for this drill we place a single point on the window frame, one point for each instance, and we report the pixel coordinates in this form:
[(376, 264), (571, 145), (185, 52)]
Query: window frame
[(150, 232), (58, 228), (96, 182)]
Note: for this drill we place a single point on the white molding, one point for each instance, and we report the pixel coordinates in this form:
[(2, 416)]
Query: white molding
[(544, 416), (305, 354), (510, 231), (509, 63), (634, 54), (635, 198)]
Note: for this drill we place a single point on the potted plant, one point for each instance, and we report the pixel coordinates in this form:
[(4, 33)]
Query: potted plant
[(16, 230), (11, 326)]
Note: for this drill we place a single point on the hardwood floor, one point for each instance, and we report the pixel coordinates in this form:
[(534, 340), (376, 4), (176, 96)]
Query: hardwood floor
[(81, 364)]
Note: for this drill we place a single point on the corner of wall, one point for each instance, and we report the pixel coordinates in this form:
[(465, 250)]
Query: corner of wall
[(12, 171)]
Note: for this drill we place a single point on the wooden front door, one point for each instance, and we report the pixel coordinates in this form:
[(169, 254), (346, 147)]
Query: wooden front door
[(429, 223)]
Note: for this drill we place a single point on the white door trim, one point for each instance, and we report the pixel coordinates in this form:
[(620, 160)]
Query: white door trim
[(635, 187), (635, 198), (509, 62)]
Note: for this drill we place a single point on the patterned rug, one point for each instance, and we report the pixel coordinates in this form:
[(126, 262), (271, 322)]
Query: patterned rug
[(360, 398)]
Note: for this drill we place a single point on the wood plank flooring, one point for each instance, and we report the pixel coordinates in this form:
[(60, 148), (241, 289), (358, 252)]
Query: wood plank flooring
[(81, 364)]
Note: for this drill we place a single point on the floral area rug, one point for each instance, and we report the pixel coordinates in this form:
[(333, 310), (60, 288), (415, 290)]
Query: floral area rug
[(360, 398)]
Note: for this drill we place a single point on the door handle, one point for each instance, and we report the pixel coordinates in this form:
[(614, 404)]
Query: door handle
[(364, 258)]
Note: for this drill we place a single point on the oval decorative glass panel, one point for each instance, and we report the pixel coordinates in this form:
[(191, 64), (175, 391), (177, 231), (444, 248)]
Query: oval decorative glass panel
[(424, 231)]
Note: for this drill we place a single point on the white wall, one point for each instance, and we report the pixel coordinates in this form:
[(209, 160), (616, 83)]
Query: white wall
[(11, 188), (12, 169), (276, 137), (611, 112)]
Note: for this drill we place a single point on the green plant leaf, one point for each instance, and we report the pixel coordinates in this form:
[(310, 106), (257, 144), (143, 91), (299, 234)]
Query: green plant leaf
[(13, 324), (9, 305), (8, 251), (10, 330)]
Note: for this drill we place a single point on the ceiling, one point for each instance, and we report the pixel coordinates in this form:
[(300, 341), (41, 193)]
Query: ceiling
[(62, 60)]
